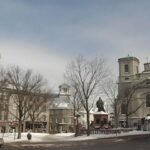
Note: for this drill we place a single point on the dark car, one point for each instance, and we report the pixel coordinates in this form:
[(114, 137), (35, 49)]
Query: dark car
[(1, 142)]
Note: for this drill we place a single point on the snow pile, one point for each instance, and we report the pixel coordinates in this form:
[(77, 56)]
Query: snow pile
[(12, 137), (44, 137)]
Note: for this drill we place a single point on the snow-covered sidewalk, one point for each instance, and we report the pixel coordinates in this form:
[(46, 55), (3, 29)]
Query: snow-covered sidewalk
[(44, 137)]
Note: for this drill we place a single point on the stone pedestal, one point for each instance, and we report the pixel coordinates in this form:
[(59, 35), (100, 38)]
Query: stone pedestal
[(100, 119)]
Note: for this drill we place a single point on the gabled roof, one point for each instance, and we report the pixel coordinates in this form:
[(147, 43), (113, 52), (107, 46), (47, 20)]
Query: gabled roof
[(64, 85), (61, 102)]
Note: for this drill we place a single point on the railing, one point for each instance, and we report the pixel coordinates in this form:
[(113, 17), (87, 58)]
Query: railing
[(107, 131)]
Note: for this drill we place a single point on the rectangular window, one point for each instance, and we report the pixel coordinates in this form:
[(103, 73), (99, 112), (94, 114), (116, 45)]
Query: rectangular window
[(126, 68), (51, 112), (123, 109), (0, 115), (14, 106), (5, 106), (126, 78), (64, 90), (137, 69), (66, 120), (56, 120), (50, 120), (5, 116), (148, 100)]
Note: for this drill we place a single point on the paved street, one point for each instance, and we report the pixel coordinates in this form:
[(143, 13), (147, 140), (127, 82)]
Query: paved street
[(109, 144)]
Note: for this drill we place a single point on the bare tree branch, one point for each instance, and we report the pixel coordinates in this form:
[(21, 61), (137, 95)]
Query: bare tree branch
[(87, 76), (24, 83)]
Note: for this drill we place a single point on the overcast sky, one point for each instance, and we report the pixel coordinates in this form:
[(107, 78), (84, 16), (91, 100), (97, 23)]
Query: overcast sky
[(44, 35)]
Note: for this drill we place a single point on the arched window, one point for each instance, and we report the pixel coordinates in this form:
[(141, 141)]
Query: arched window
[(148, 100)]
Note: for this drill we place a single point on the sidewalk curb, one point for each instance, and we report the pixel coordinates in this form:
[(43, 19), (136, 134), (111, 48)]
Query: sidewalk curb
[(128, 137)]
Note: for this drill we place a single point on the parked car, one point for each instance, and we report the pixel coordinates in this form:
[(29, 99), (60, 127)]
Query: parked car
[(1, 142)]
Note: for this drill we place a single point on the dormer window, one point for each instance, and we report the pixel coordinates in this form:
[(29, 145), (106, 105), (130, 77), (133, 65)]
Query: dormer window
[(126, 68)]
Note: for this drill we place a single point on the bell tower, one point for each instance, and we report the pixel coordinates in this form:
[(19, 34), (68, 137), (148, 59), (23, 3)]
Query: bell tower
[(128, 72), (64, 90), (128, 68)]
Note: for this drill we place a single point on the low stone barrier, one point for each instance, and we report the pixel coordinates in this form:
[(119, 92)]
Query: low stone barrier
[(107, 131)]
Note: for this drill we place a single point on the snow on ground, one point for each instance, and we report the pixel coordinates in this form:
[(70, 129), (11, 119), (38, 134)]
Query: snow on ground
[(44, 137)]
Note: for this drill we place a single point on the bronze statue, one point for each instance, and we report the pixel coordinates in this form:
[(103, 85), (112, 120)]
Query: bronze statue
[(100, 105)]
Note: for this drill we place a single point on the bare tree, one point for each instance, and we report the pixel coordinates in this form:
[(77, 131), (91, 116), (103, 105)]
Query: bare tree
[(3, 79), (110, 89), (75, 100), (128, 99), (88, 76), (39, 104), (3, 99), (23, 83)]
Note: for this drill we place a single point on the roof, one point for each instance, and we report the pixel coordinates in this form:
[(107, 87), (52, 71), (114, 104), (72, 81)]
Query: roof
[(100, 113), (61, 102), (64, 85), (128, 58), (147, 118)]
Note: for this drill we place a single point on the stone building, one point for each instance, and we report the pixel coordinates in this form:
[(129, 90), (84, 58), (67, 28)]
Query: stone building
[(138, 84), (4, 114), (58, 106), (9, 112), (61, 117)]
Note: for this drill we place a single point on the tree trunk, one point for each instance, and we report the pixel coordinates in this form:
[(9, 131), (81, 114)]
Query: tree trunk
[(33, 126), (19, 129), (127, 121), (116, 121), (116, 118), (88, 124)]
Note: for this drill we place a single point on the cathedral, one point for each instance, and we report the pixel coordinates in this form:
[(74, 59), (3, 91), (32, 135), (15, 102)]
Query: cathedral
[(133, 91)]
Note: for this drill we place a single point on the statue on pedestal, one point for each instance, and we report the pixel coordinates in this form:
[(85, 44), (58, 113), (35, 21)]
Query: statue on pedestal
[(100, 105)]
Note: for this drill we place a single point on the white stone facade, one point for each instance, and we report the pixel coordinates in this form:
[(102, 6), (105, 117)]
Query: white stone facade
[(129, 75)]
